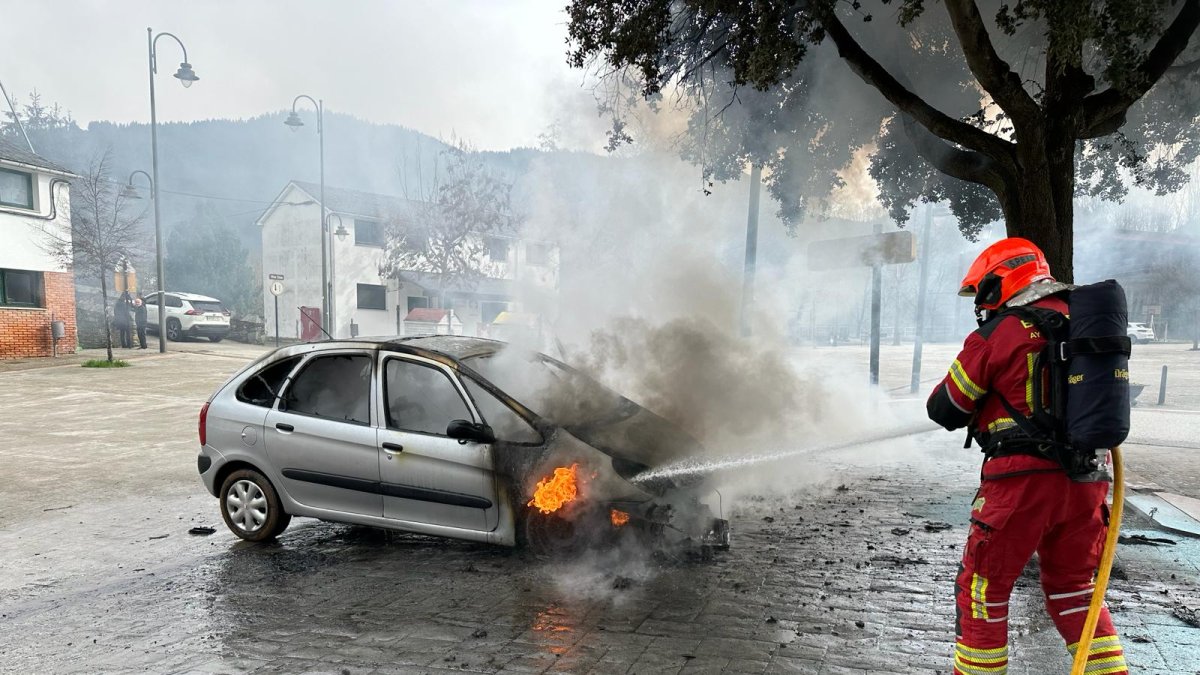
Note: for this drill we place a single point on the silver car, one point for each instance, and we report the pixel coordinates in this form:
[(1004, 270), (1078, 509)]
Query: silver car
[(443, 435)]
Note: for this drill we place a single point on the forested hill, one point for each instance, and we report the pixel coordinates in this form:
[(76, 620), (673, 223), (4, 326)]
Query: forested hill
[(241, 165)]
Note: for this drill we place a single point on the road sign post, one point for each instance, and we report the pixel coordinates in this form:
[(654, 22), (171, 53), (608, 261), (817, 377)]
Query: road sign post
[(276, 290), (874, 251)]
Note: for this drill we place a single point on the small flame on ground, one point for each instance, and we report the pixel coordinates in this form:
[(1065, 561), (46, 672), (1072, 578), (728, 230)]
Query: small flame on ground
[(556, 490), (619, 518)]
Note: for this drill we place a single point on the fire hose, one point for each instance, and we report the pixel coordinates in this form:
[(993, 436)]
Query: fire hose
[(1084, 645)]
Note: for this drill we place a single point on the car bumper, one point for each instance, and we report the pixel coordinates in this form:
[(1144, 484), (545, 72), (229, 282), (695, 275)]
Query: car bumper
[(219, 330), (209, 463)]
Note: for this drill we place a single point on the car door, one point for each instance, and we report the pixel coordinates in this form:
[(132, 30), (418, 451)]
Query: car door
[(151, 300), (425, 476), (320, 438)]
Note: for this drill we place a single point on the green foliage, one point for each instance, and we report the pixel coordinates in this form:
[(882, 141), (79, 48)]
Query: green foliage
[(761, 84), (205, 256), (105, 363)]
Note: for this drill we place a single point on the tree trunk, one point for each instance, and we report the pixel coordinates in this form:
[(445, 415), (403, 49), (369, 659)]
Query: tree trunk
[(104, 312), (1038, 204)]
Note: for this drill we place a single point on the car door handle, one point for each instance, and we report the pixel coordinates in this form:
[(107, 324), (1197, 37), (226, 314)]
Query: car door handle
[(285, 427), (393, 448)]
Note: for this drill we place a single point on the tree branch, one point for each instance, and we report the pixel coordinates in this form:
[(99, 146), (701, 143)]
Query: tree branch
[(994, 74), (1104, 112), (967, 165), (937, 122)]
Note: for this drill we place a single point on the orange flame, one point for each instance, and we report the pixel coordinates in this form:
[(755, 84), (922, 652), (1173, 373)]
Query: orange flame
[(552, 492), (619, 518)]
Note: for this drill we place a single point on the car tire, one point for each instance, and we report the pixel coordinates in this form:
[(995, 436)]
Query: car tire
[(215, 338), (250, 506), (547, 534), (174, 330)]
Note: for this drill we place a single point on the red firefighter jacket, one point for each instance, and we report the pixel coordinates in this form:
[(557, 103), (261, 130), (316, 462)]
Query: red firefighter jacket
[(996, 360)]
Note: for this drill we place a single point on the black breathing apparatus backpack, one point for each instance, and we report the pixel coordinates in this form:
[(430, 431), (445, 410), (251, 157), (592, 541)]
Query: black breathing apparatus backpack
[(1081, 410)]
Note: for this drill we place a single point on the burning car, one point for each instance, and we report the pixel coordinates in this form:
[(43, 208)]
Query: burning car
[(444, 435)]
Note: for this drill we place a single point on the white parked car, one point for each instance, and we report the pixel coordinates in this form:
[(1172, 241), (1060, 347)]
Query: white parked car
[(188, 315), (1139, 332)]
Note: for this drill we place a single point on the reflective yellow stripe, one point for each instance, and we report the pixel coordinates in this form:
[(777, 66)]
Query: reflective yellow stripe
[(1001, 658), (978, 597), (1029, 383), (964, 383), (971, 669), (972, 652), (1100, 644), (1113, 664), (1001, 424)]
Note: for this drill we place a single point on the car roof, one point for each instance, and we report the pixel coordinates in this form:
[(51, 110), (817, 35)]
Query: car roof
[(445, 348), (193, 296)]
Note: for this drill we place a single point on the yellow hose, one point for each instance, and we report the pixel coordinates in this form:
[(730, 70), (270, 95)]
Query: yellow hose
[(1106, 561)]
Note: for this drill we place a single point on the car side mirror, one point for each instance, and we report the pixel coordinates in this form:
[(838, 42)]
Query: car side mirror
[(464, 430)]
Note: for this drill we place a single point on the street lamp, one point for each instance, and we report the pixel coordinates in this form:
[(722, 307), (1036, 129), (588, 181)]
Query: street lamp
[(295, 123), (341, 233), (186, 77)]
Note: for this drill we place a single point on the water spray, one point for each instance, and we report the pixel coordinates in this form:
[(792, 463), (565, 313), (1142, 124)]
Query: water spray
[(696, 466)]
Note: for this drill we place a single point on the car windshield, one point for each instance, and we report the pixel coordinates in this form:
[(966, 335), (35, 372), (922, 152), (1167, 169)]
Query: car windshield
[(207, 306), (549, 389)]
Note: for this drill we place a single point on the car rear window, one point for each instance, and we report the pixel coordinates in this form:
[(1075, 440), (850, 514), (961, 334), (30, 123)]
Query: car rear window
[(205, 306), (263, 387)]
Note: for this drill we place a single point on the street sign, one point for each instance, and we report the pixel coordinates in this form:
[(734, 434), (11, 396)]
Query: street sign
[(276, 288), (275, 277), (889, 248)]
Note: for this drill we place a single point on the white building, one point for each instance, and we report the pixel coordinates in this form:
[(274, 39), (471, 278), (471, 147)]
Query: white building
[(362, 301), (35, 288)]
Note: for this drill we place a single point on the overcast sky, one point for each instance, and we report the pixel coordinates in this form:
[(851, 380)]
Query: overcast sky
[(491, 71)]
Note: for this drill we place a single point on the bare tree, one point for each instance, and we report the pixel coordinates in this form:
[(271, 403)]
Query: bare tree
[(446, 229), (103, 232)]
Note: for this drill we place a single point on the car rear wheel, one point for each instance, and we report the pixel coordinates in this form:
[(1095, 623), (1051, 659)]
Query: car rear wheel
[(216, 338), (251, 507), (174, 330)]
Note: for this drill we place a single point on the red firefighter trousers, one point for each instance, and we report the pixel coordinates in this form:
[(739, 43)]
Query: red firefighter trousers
[(1013, 517)]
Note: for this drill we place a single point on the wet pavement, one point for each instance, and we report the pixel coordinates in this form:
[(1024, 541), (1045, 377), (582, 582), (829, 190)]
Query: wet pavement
[(851, 573)]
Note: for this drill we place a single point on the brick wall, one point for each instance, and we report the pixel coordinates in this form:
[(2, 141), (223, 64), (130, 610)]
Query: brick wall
[(26, 333)]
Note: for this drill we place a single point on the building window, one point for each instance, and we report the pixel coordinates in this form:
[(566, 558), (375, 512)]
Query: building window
[(368, 232), (497, 249), (372, 296), (415, 301), (16, 189), (20, 288), (537, 254)]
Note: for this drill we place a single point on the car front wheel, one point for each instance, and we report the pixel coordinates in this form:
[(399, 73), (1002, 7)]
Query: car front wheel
[(251, 507), (215, 338)]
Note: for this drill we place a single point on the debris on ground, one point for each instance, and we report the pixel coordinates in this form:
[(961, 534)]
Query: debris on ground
[(1141, 639), (622, 583), (58, 508), (203, 531), (900, 531), (160, 536), (899, 561), (1143, 540), (860, 624), (1188, 615), (842, 488), (479, 633), (936, 526), (771, 619), (768, 519)]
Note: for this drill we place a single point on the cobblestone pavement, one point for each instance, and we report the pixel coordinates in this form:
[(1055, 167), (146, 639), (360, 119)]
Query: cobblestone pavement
[(99, 574)]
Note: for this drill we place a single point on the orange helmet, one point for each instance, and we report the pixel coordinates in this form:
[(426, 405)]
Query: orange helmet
[(1004, 269)]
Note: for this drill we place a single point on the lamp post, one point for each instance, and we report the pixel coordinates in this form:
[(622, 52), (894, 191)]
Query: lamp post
[(341, 233), (186, 77), (295, 123)]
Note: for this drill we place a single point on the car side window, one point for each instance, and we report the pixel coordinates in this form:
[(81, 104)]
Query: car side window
[(504, 421), (262, 387), (174, 301), (336, 387), (421, 398), (151, 299)]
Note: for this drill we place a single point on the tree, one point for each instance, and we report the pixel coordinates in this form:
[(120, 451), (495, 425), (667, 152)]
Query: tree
[(1006, 111), (445, 232), (104, 231), (205, 256)]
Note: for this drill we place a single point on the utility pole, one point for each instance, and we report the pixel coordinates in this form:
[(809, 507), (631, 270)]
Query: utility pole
[(876, 311), (751, 249), (922, 286)]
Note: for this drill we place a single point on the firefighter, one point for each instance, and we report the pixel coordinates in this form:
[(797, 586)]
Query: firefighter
[(1026, 502)]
